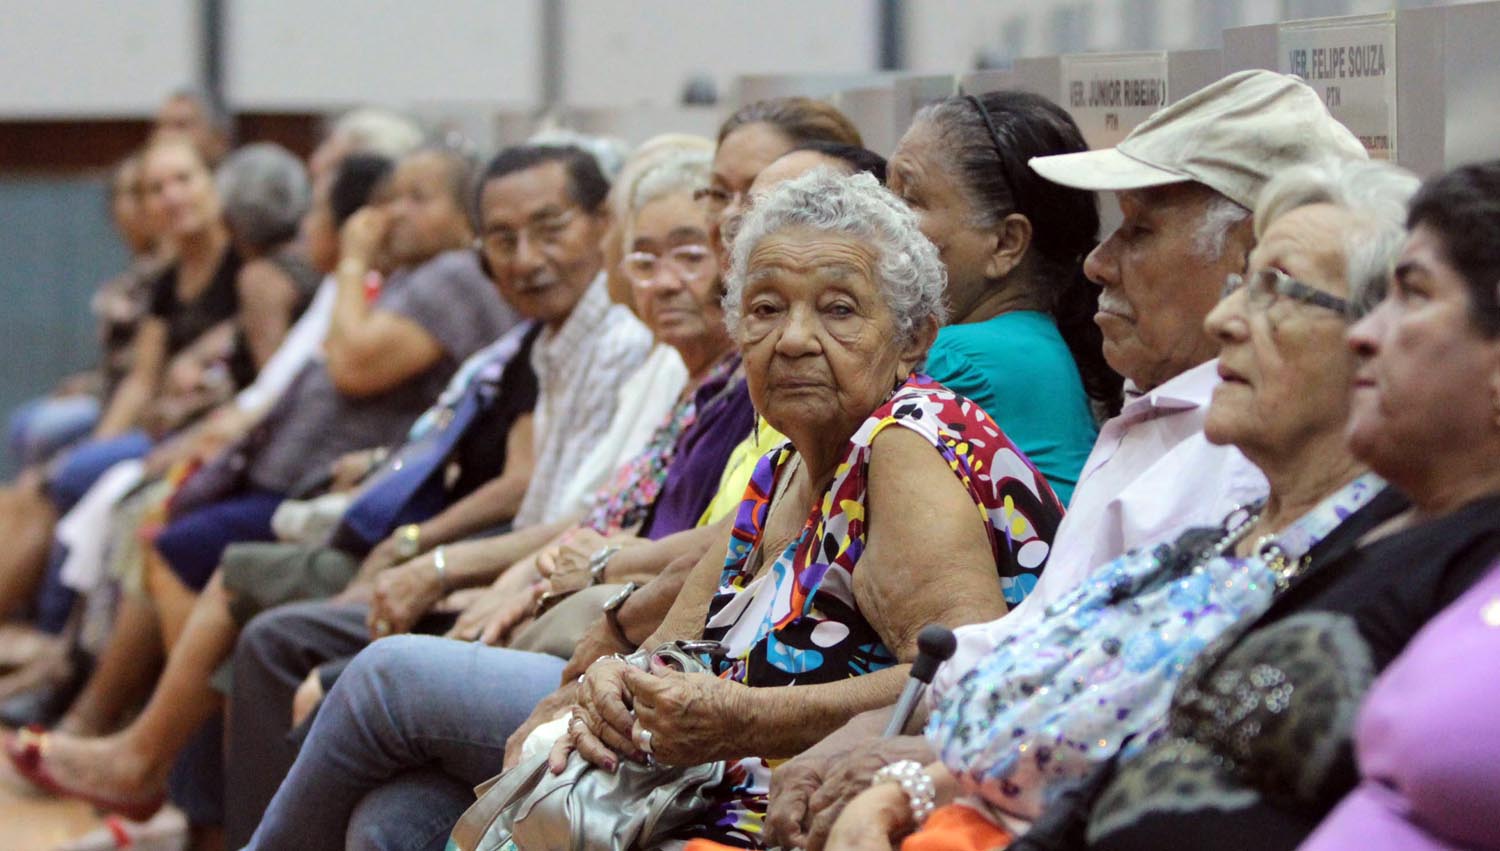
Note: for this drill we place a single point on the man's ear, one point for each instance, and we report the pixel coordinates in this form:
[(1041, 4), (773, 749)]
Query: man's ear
[(1012, 241)]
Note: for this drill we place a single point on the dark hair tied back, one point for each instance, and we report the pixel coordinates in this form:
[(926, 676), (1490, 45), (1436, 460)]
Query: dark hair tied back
[(989, 138)]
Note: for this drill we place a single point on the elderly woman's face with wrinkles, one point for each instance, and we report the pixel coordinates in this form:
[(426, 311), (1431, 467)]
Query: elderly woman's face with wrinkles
[(820, 344)]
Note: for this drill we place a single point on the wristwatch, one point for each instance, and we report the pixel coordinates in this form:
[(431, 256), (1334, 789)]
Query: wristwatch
[(598, 562), (408, 541), (612, 614)]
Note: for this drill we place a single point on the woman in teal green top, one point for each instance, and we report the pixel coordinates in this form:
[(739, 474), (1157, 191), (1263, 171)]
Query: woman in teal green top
[(1021, 339)]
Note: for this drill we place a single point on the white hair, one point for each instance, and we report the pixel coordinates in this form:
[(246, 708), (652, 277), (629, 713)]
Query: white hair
[(1220, 216), (682, 170), (371, 130), (265, 192), (677, 171), (1378, 192), (912, 279)]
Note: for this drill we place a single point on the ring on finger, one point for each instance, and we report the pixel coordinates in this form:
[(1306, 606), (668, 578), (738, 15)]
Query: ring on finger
[(643, 740), (383, 626)]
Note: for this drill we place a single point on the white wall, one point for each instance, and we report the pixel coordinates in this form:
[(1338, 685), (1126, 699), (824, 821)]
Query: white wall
[(320, 54), (643, 51), (70, 58), (84, 58)]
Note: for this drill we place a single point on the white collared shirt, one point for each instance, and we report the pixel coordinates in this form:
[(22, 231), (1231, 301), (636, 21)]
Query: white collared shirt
[(1151, 474), (579, 370)]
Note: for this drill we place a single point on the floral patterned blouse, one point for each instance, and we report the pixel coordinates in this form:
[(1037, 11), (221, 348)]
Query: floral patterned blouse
[(797, 622), (1064, 694), (632, 489)]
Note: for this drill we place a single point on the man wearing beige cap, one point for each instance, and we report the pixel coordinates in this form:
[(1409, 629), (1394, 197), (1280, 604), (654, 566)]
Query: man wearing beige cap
[(1187, 179)]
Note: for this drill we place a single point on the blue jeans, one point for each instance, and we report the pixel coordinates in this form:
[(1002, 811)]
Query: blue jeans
[(41, 427), (77, 469), (412, 726)]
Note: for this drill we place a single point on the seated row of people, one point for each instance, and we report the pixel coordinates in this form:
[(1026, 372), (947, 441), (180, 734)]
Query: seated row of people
[(797, 403)]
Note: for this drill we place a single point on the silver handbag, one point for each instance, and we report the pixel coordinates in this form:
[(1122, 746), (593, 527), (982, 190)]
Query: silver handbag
[(585, 809)]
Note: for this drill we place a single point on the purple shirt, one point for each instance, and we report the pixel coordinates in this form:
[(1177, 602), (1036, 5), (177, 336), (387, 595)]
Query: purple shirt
[(1428, 740), (725, 417)]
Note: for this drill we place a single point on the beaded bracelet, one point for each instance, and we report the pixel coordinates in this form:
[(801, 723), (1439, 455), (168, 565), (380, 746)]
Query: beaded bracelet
[(912, 777)]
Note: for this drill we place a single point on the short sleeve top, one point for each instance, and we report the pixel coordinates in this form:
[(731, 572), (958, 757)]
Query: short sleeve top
[(187, 321), (797, 621), (314, 424), (1019, 369)]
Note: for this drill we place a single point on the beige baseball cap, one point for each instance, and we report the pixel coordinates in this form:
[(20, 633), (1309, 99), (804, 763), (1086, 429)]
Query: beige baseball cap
[(1232, 136)]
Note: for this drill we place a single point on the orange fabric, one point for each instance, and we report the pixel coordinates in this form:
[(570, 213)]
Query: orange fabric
[(957, 828), (706, 845)]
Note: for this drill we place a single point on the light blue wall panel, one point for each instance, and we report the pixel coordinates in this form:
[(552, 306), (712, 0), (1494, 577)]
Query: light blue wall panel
[(56, 245)]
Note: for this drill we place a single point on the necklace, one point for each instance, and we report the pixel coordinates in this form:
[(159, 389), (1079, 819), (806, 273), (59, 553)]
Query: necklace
[(1236, 527), (1267, 547)]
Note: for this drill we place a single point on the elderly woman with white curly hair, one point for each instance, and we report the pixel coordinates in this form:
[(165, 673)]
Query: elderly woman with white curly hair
[(895, 504)]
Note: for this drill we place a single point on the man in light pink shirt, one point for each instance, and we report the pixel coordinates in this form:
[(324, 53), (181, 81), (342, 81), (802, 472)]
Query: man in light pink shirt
[(1186, 180)]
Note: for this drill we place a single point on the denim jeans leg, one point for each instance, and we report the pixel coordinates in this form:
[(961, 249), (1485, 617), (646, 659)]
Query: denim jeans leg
[(414, 812), (405, 703)]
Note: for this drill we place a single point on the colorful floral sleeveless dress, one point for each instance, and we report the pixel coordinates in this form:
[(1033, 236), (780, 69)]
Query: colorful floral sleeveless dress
[(796, 621)]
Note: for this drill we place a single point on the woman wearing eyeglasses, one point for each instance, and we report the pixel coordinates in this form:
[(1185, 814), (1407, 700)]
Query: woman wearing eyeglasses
[(1094, 678), (1021, 340)]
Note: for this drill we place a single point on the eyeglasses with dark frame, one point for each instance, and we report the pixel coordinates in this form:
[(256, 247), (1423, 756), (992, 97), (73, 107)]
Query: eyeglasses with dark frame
[(1263, 287), (716, 199)]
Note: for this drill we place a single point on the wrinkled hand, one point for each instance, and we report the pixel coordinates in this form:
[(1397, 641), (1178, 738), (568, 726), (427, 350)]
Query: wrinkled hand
[(689, 716), (551, 707), (380, 558), (362, 235), (601, 726), (595, 643), (491, 617), (571, 553), (458, 601), (810, 791), (872, 821), (402, 595)]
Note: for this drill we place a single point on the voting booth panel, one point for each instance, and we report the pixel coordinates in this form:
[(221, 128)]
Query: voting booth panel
[(1416, 86)]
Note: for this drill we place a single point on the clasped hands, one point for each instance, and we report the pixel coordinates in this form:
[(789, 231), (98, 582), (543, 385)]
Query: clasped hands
[(657, 716)]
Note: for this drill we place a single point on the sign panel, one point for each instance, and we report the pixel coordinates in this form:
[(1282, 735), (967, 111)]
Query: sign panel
[(1351, 63), (1108, 94)]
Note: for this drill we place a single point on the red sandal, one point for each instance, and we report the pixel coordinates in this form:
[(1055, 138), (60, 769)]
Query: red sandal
[(27, 750)]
